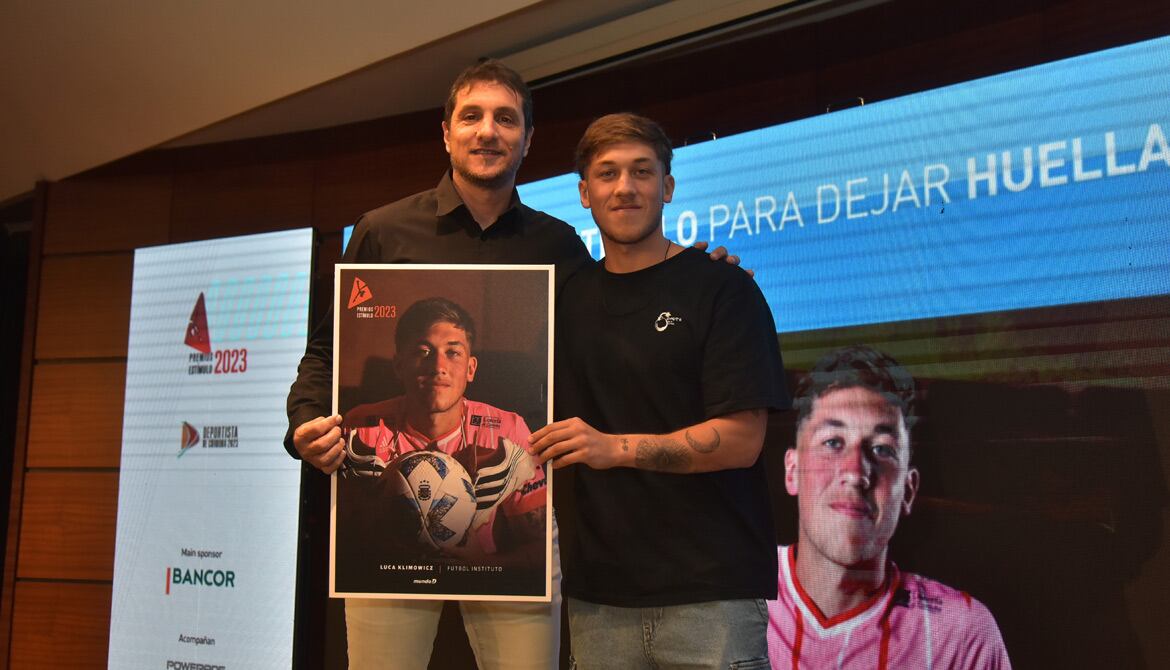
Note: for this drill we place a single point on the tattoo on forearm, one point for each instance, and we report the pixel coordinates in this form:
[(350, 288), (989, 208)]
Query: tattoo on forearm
[(625, 444), (662, 456), (701, 446)]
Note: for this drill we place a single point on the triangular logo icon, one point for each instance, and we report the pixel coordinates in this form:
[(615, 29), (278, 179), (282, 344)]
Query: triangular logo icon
[(198, 338), (190, 438), (359, 293)]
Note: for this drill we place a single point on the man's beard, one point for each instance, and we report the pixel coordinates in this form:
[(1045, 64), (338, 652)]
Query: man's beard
[(505, 177)]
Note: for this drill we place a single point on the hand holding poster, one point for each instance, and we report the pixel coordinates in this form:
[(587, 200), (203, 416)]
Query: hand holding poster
[(440, 372)]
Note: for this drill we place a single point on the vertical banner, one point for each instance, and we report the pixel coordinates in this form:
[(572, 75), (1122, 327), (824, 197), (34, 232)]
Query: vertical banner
[(205, 562), (440, 373)]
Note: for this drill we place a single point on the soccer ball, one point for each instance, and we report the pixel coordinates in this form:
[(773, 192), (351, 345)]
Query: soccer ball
[(434, 495)]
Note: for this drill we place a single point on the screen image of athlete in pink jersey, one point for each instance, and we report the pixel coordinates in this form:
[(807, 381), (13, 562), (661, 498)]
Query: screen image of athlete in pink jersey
[(842, 603), (434, 360)]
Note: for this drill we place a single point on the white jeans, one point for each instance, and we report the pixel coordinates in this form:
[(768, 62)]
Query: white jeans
[(399, 634)]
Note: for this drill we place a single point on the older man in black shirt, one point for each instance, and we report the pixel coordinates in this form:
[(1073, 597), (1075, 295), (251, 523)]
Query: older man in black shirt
[(473, 216)]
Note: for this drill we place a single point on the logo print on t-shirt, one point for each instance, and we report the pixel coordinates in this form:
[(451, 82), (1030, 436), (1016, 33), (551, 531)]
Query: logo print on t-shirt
[(666, 320), (359, 293)]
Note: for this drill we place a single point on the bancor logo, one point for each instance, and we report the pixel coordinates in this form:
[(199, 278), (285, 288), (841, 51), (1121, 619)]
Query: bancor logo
[(203, 578)]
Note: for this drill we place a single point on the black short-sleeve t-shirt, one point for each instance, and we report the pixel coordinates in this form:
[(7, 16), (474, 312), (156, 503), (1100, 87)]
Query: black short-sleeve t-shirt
[(654, 351)]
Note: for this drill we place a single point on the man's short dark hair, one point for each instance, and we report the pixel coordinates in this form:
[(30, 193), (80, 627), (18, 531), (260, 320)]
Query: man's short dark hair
[(491, 70), (419, 317), (617, 129), (856, 366)]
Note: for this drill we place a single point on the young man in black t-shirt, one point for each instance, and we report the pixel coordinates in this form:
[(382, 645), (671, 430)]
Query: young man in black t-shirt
[(667, 364)]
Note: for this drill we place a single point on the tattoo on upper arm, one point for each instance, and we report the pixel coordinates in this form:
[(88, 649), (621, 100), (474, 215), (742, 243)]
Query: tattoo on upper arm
[(701, 446), (662, 456)]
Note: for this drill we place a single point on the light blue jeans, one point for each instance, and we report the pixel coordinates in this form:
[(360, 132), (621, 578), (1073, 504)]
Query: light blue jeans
[(714, 635)]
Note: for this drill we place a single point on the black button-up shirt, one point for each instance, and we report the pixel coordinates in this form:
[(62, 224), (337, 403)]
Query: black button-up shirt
[(433, 226)]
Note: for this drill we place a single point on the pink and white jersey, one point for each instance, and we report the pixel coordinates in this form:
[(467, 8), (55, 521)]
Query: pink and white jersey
[(478, 443), (913, 622)]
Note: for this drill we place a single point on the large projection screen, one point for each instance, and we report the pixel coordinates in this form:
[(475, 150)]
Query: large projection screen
[(1008, 241), (1051, 181), (205, 561)]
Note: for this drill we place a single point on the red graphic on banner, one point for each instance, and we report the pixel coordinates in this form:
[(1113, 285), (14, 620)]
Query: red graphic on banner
[(359, 294), (168, 581), (198, 338), (190, 438)]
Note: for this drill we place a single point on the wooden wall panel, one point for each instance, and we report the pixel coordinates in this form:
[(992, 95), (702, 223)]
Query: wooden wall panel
[(76, 415), (21, 416), (84, 306), (68, 526), (1072, 28), (107, 213), (242, 200), (350, 184), (60, 626)]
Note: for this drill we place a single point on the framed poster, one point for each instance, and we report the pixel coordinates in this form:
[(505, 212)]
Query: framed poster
[(440, 374)]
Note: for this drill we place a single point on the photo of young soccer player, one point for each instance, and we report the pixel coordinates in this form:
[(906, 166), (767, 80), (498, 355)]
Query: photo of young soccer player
[(840, 596), (437, 496)]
